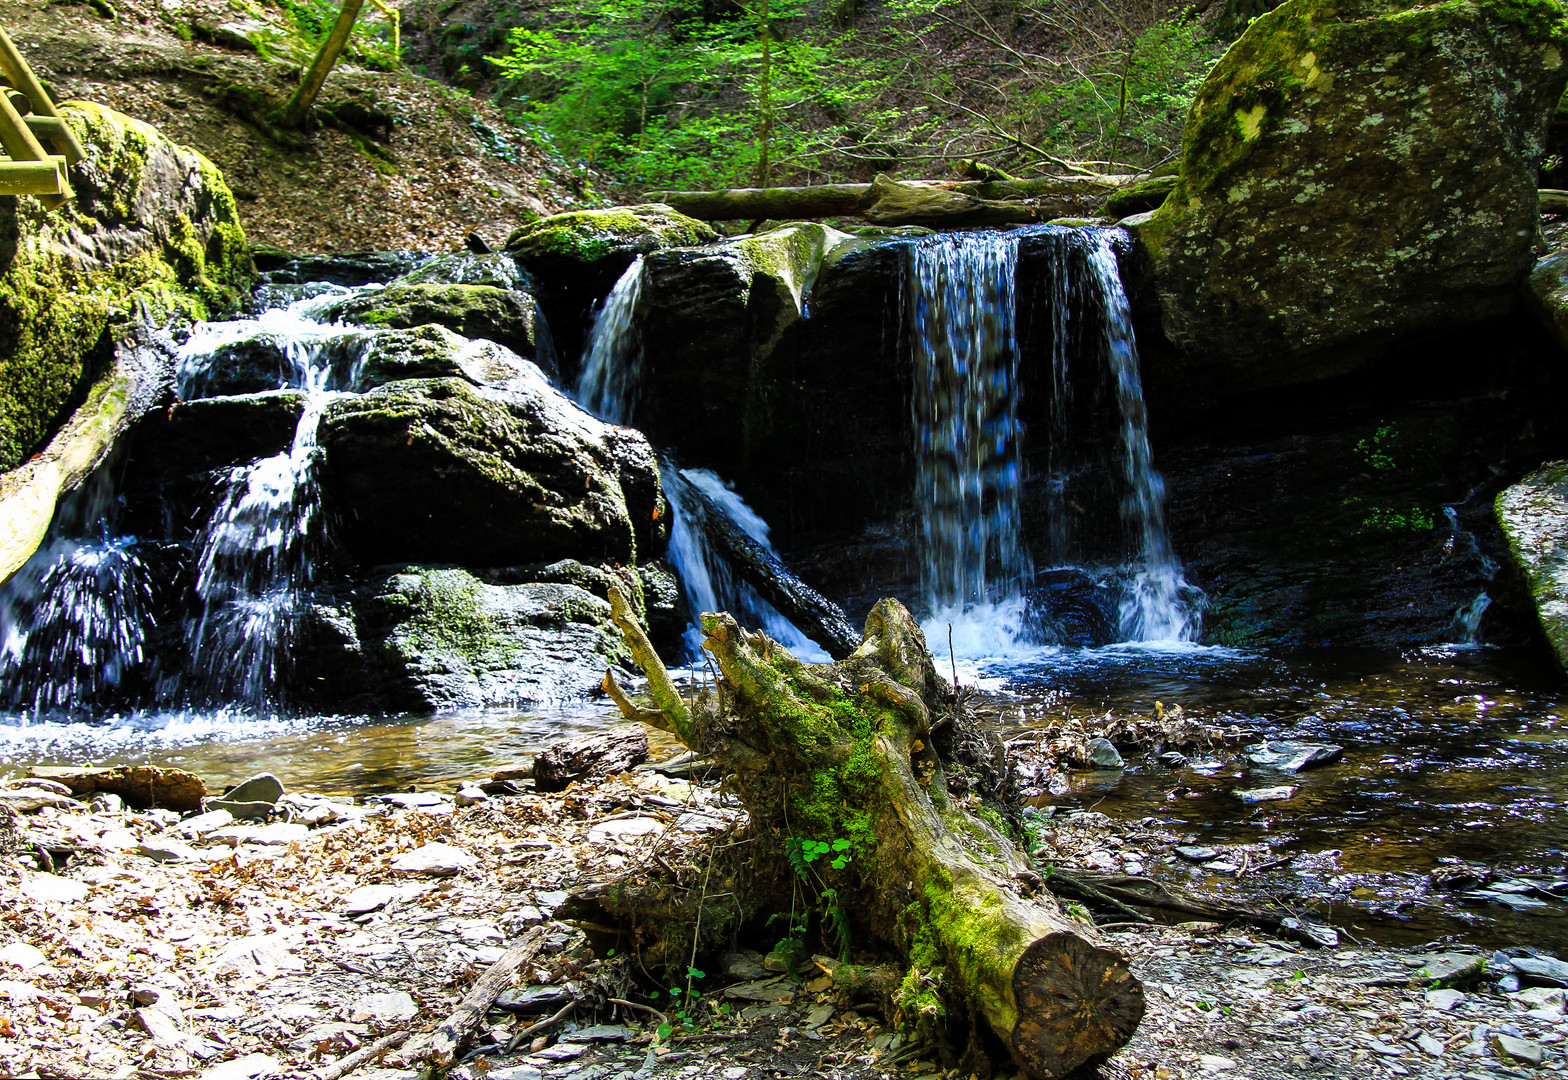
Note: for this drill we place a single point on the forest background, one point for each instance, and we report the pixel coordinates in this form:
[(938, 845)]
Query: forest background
[(639, 95)]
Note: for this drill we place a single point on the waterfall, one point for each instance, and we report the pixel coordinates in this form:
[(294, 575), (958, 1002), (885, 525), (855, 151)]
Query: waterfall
[(962, 305), (1157, 604), (707, 580), (607, 381), (258, 553), (965, 403), (1462, 544), (74, 617)]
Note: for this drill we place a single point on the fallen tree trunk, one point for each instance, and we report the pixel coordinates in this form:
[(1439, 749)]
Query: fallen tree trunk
[(910, 202), (815, 615), (438, 1048), (839, 758)]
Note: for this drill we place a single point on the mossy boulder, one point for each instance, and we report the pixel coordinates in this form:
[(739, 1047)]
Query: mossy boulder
[(153, 233), (1352, 173), (441, 470), (719, 326), (478, 296), (577, 257), (428, 638), (1138, 198), (1546, 294), (430, 352), (1534, 517)]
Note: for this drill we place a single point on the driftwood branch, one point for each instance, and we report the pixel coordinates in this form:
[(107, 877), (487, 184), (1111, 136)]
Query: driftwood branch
[(439, 1047), (347, 1064)]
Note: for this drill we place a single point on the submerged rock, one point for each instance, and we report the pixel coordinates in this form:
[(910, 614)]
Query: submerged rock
[(1534, 517), (1415, 129)]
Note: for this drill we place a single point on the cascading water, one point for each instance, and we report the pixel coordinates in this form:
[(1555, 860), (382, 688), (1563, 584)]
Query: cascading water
[(259, 551), (75, 616), (710, 584), (1158, 604), (607, 380), (1462, 545), (969, 481), (607, 387), (967, 431)]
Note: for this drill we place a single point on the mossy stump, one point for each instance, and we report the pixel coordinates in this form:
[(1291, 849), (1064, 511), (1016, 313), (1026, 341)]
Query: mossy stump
[(844, 753)]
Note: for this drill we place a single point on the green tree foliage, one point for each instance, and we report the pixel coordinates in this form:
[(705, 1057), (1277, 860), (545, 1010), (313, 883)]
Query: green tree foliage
[(682, 94)]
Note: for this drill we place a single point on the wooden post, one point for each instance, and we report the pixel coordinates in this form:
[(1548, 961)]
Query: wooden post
[(299, 104), (23, 79), (31, 177), (23, 147)]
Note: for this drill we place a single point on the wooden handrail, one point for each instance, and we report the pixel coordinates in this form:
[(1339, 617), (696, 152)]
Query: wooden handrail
[(23, 79), (33, 170)]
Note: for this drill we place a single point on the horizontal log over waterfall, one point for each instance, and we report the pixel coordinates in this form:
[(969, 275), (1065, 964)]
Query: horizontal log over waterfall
[(910, 202), (848, 752)]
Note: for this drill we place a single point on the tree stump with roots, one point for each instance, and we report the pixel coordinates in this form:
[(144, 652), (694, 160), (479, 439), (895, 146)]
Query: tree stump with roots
[(846, 791)]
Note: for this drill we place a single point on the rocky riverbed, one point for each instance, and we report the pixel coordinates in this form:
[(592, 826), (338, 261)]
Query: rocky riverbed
[(280, 943)]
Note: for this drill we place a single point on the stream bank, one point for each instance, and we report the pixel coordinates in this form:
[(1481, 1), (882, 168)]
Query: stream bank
[(165, 947)]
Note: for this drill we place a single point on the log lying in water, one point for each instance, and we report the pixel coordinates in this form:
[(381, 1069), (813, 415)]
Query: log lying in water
[(815, 615), (843, 752), (910, 202)]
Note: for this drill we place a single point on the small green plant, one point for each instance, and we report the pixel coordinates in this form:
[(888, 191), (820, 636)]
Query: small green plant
[(805, 856), (688, 1007)]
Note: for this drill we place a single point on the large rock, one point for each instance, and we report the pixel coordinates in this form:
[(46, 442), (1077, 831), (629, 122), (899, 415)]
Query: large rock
[(1546, 294), (440, 470), (152, 225), (576, 258), (1352, 173), (1534, 516), (485, 311), (430, 638)]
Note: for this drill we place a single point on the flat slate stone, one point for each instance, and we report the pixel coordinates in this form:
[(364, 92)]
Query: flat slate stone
[(1195, 853), (1289, 755), (1268, 794), (599, 1033), (437, 860), (50, 887), (1542, 969), (368, 898), (1448, 969)]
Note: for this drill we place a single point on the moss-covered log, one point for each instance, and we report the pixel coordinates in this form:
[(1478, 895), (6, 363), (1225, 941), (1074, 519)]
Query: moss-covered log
[(842, 755), (911, 202)]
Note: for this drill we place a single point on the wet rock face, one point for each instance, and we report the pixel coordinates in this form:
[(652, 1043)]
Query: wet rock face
[(429, 638), (1352, 173), (1534, 516), (439, 470), (576, 257)]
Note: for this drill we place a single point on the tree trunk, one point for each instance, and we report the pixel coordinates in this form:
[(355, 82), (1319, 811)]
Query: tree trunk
[(912, 202), (818, 618), (304, 97), (841, 755)]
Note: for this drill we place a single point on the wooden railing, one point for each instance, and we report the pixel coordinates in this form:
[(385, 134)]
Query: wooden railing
[(29, 123)]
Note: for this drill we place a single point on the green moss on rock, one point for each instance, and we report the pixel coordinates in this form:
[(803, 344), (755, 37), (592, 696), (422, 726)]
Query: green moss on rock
[(590, 235), (153, 232), (1415, 129), (1534, 517)]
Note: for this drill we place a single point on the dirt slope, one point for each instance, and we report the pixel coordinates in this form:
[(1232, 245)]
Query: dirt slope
[(411, 163)]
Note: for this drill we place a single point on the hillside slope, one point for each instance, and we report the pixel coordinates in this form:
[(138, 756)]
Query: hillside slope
[(410, 163)]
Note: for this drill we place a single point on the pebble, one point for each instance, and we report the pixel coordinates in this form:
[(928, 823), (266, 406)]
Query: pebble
[(249, 1067), (437, 860), (1443, 1000), (1104, 755), (368, 898), (1288, 755), (281, 833), (386, 1008), (1450, 968), (204, 823), (1541, 969), (1215, 1063), (1196, 853), (1516, 1049), (21, 954), (50, 887), (1268, 794), (1429, 1045)]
